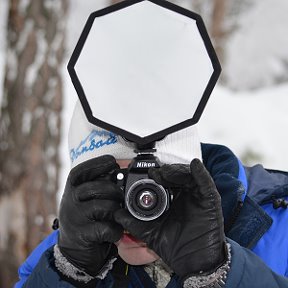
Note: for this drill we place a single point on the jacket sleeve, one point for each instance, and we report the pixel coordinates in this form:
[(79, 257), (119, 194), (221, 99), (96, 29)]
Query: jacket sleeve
[(45, 275), (248, 270), (30, 263)]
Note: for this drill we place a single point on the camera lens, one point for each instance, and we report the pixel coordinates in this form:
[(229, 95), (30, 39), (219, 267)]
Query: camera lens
[(146, 200)]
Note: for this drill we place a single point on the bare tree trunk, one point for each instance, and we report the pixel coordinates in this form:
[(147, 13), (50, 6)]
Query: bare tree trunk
[(215, 15), (217, 28), (115, 1), (30, 123)]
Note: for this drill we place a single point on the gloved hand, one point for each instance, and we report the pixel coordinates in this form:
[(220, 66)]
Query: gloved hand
[(87, 228), (189, 237)]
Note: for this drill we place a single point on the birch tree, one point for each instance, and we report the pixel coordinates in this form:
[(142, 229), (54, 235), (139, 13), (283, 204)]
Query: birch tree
[(30, 124)]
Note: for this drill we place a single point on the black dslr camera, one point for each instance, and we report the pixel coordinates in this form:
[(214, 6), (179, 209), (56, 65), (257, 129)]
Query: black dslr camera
[(144, 198)]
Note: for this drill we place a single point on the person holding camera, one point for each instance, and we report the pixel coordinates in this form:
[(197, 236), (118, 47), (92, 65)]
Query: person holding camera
[(203, 238)]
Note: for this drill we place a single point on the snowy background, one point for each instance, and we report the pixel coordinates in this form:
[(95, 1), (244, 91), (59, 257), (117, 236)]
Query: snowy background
[(252, 121)]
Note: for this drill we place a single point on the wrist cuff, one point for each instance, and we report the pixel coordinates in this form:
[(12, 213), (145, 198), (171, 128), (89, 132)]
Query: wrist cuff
[(214, 280), (70, 271)]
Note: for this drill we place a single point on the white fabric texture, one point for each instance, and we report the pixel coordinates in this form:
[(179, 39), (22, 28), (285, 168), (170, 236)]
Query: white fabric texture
[(87, 141)]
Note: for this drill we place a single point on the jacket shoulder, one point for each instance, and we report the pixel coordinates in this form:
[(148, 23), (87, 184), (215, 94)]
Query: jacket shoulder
[(264, 185)]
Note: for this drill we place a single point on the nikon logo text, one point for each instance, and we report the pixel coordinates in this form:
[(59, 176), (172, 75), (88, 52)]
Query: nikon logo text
[(145, 165)]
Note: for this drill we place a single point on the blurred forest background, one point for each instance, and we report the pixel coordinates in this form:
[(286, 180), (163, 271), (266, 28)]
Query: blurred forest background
[(36, 41)]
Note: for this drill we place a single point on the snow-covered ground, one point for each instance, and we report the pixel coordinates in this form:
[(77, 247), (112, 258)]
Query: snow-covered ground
[(252, 123)]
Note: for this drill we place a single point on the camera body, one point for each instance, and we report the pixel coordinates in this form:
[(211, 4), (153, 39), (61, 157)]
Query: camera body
[(144, 198)]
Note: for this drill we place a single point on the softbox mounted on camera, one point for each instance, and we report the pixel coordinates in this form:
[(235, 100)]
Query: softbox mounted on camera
[(144, 69)]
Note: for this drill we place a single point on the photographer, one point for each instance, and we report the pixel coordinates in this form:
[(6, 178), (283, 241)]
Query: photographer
[(100, 244)]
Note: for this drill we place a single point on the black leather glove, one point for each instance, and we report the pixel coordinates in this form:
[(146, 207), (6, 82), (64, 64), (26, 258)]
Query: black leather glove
[(189, 237), (87, 228)]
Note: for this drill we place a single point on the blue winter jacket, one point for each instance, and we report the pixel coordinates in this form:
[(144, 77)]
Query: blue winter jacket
[(255, 214)]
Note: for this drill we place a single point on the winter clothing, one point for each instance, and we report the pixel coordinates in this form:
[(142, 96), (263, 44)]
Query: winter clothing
[(247, 270), (246, 222), (87, 141)]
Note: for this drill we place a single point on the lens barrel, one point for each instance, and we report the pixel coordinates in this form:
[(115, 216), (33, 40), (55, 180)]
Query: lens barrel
[(146, 200)]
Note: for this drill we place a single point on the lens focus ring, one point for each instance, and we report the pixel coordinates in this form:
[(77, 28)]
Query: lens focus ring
[(146, 200)]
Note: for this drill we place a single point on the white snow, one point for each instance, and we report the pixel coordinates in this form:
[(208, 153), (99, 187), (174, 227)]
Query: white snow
[(23, 4), (258, 53), (26, 122), (251, 121), (52, 123), (12, 63), (33, 69), (52, 5), (21, 42)]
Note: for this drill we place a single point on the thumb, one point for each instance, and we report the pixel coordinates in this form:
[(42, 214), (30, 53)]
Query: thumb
[(125, 219), (202, 178), (129, 223)]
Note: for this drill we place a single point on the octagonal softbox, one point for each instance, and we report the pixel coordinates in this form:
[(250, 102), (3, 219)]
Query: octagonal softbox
[(144, 69)]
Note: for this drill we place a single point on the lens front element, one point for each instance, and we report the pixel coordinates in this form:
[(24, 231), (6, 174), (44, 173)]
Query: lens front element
[(146, 200)]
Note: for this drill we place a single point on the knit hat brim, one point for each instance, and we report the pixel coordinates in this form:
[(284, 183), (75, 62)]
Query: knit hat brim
[(87, 141)]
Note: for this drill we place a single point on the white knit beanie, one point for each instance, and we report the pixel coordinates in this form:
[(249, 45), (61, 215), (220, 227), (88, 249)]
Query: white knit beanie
[(88, 141)]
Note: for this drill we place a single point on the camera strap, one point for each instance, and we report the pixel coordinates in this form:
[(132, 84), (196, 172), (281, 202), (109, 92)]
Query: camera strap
[(120, 274)]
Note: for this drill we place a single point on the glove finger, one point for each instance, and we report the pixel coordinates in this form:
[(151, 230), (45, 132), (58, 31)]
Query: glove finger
[(101, 232), (174, 175), (100, 189), (110, 231), (139, 229), (99, 210), (92, 169), (202, 178), (155, 174)]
